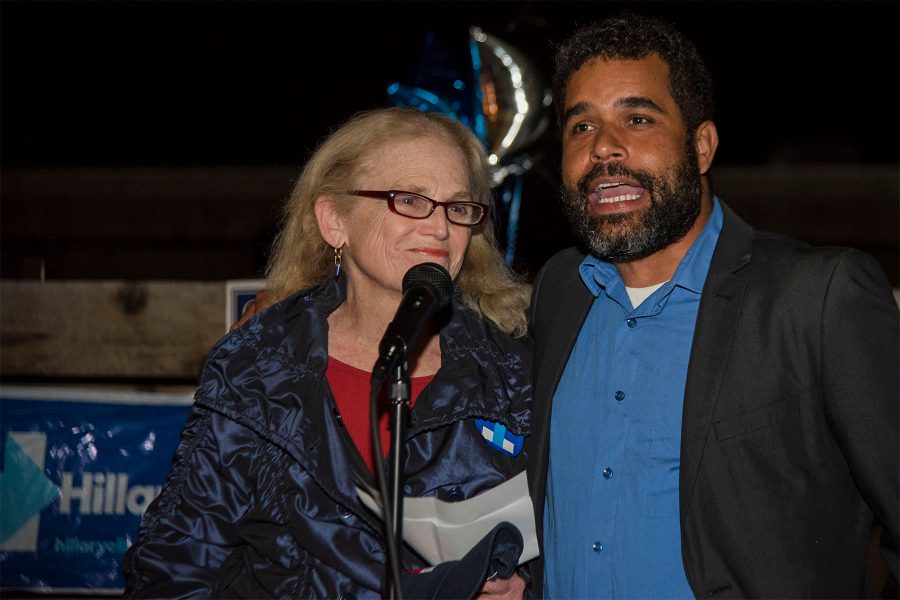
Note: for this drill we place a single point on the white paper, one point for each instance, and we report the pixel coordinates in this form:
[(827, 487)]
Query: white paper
[(440, 531)]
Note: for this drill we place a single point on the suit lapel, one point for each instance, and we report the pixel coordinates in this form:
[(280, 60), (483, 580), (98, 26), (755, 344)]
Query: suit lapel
[(562, 334), (563, 302), (720, 308)]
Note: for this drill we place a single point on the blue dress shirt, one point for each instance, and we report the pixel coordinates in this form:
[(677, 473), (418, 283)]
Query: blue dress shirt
[(611, 524)]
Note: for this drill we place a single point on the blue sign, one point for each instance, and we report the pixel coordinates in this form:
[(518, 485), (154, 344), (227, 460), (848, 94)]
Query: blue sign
[(79, 468)]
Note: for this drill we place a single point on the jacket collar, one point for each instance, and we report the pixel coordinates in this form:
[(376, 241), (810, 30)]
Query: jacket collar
[(270, 377)]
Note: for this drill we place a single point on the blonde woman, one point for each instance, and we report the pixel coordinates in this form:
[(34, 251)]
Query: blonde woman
[(261, 500)]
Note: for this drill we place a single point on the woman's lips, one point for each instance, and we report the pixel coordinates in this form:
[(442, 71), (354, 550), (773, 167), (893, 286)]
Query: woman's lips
[(435, 252)]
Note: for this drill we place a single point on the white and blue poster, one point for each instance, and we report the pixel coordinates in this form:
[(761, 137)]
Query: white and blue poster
[(79, 468)]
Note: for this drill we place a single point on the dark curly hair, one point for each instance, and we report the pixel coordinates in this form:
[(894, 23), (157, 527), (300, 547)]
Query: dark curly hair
[(633, 36)]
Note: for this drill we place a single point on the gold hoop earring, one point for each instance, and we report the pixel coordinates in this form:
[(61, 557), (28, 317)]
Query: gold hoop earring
[(338, 253)]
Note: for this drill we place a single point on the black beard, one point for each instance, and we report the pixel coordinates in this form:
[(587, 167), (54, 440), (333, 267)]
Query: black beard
[(674, 208)]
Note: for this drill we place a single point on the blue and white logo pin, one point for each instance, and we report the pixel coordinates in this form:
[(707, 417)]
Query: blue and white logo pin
[(499, 437)]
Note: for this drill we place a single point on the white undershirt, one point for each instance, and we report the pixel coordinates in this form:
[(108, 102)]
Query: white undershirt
[(640, 294)]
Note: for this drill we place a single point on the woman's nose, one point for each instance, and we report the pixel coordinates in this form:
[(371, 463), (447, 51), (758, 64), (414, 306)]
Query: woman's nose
[(437, 223)]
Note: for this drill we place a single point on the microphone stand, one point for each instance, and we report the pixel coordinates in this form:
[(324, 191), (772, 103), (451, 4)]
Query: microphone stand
[(399, 398), (427, 287), (391, 497)]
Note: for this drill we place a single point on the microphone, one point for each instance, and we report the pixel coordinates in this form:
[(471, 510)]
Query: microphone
[(427, 288)]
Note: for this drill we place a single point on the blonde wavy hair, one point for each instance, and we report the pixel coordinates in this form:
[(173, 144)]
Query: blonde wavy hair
[(301, 258)]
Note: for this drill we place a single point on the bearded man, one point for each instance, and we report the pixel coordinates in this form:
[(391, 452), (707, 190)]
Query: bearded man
[(716, 407)]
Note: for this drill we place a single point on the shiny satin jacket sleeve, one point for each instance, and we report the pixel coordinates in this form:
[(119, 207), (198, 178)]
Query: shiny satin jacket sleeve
[(189, 541), (221, 526)]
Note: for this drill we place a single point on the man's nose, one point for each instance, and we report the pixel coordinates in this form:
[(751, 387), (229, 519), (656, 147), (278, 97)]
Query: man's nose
[(607, 146)]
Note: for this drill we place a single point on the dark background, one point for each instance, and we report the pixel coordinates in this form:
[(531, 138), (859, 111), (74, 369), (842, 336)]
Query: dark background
[(156, 140), (127, 95)]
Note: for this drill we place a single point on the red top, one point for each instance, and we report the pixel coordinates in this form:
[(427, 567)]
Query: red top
[(350, 387)]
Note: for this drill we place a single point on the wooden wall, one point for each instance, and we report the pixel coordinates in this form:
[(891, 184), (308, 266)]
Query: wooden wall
[(216, 223), (103, 331), (135, 259)]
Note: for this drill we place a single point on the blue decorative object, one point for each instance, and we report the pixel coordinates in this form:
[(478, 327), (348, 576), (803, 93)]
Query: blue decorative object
[(499, 437), (500, 97)]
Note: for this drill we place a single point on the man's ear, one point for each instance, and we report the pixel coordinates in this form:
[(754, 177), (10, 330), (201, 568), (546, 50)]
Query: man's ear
[(706, 140), (330, 221)]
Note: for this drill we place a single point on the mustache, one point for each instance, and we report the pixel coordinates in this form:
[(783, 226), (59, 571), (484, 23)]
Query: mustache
[(614, 169)]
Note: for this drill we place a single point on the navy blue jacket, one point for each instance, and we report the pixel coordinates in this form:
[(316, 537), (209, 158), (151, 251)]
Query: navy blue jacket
[(261, 498)]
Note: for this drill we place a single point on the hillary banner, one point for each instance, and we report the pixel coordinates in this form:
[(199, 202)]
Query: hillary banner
[(79, 468)]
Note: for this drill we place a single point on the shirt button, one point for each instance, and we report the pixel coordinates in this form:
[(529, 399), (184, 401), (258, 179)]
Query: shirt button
[(631, 323), (620, 395), (597, 547), (607, 473)]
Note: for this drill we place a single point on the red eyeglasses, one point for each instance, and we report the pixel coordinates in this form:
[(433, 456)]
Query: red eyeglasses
[(417, 206)]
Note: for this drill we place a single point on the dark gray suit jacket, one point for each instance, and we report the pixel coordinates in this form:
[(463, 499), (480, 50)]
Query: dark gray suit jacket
[(789, 438)]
